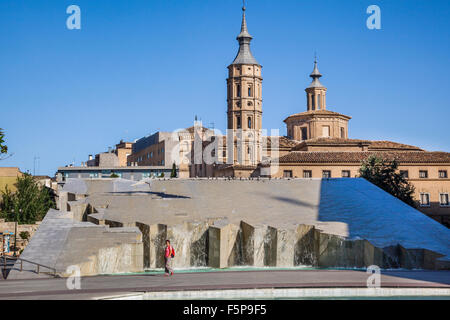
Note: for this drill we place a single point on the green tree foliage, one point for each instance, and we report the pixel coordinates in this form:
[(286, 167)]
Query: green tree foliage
[(173, 173), (384, 174), (28, 204), (114, 175), (25, 235), (3, 147)]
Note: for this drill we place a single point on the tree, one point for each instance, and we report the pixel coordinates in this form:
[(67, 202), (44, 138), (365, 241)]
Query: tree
[(114, 175), (25, 235), (28, 204), (161, 175), (3, 147), (173, 173), (384, 174)]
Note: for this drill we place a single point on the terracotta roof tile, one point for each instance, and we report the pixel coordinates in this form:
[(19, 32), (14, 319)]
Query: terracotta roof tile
[(372, 145), (356, 157), (317, 112)]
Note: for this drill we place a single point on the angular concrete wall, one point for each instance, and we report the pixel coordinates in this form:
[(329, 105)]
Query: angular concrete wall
[(224, 245)]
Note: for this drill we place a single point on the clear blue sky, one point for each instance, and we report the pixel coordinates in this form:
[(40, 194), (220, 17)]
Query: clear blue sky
[(139, 66)]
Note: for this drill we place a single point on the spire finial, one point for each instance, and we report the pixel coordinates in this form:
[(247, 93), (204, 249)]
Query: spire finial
[(244, 55), (315, 75)]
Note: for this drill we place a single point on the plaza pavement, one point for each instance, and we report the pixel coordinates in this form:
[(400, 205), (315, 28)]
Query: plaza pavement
[(120, 285)]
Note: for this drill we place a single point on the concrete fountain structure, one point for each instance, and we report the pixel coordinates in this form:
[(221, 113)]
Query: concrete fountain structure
[(117, 225)]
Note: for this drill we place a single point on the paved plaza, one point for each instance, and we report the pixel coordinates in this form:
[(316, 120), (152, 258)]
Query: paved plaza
[(122, 285)]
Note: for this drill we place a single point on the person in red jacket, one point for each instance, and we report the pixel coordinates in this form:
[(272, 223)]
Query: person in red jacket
[(168, 255)]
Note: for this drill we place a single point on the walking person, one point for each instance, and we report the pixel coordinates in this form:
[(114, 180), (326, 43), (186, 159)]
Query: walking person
[(168, 256)]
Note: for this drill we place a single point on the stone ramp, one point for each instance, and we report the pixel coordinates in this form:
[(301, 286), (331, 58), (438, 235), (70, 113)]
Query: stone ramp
[(61, 241), (46, 244)]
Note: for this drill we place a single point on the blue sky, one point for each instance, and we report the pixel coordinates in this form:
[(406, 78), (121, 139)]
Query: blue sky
[(136, 67)]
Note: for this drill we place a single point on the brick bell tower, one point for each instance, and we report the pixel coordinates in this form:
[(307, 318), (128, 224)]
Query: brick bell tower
[(244, 100)]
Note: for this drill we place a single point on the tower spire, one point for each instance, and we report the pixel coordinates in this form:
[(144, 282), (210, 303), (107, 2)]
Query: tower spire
[(244, 55), (315, 75)]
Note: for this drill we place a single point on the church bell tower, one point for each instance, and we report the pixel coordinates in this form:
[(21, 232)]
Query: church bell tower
[(244, 98)]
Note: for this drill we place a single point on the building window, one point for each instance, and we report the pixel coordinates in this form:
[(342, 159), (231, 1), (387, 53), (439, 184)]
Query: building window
[(325, 131), (249, 120), (342, 133), (404, 174), (238, 90), (238, 122), (424, 199), (444, 200), (313, 102), (319, 103), (443, 174), (423, 174), (345, 173), (250, 91), (326, 174), (304, 133), (287, 173), (307, 174), (224, 153)]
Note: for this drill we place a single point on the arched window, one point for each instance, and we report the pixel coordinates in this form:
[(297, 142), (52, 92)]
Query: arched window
[(238, 122), (304, 131), (313, 102), (342, 133), (319, 102), (250, 91), (249, 120), (238, 90)]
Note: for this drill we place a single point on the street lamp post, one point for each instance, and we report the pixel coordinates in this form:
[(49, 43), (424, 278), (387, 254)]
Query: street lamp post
[(16, 220)]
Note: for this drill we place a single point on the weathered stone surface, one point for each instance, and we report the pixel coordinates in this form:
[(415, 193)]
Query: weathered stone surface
[(254, 239), (158, 236), (96, 218), (80, 209), (330, 250), (145, 231), (225, 245), (306, 247), (270, 247), (285, 247)]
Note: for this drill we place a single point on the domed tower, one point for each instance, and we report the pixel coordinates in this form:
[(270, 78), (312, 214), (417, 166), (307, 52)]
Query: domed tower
[(316, 92), (244, 97), (317, 121)]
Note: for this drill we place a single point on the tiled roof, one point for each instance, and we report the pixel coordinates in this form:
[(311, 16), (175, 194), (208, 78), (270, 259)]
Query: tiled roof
[(372, 145), (283, 142), (375, 145), (318, 113), (356, 157)]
